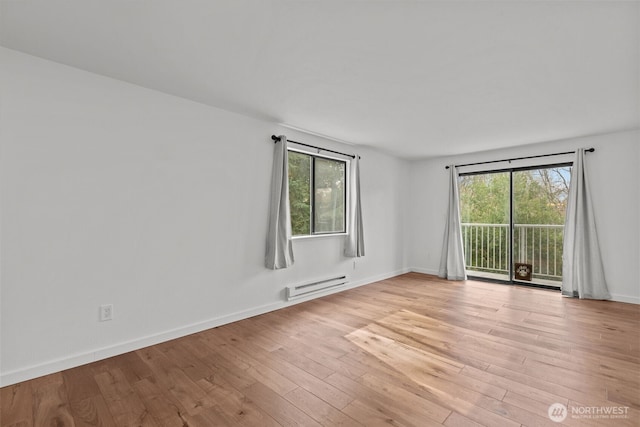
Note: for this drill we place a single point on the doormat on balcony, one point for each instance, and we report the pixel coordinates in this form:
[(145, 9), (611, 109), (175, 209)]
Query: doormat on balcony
[(522, 271)]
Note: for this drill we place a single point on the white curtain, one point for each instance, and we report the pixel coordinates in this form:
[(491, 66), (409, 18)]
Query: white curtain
[(354, 243), (582, 271), (279, 248), (452, 260)]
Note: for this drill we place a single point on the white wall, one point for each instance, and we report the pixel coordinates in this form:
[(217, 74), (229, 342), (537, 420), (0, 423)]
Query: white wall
[(112, 193), (615, 179)]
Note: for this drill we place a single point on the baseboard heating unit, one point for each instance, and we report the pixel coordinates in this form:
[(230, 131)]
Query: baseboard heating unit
[(299, 291)]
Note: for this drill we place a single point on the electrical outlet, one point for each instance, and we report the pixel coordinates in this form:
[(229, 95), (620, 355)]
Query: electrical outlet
[(106, 312)]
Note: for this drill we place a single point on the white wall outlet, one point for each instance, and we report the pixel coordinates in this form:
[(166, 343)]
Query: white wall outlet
[(354, 265), (106, 312)]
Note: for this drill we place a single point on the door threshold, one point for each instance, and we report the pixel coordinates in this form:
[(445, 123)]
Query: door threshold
[(514, 282)]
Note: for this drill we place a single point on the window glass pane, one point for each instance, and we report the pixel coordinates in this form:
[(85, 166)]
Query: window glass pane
[(539, 209), (484, 213), (300, 193), (329, 196)]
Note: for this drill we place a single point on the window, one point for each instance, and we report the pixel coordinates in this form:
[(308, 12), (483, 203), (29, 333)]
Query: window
[(317, 195)]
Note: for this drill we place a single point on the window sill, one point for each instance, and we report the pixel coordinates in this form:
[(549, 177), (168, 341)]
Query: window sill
[(315, 236)]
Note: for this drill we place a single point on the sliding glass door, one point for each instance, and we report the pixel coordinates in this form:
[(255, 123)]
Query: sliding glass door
[(513, 224)]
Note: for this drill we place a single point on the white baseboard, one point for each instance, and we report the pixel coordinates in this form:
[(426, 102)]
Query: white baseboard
[(424, 271), (72, 361), (625, 298)]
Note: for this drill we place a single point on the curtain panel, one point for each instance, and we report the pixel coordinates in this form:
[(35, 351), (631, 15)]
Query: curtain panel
[(354, 242), (452, 260), (279, 248), (582, 270)]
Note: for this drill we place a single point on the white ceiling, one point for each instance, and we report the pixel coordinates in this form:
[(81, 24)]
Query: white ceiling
[(415, 78)]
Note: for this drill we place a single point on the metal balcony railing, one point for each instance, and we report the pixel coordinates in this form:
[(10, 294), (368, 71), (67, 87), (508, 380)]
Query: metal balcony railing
[(486, 248)]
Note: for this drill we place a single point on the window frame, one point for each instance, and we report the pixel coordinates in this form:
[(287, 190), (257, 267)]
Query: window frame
[(312, 195)]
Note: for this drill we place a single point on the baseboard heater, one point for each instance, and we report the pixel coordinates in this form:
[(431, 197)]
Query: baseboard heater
[(299, 291)]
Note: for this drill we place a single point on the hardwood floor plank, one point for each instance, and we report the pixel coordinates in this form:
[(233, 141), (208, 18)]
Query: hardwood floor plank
[(319, 410), (80, 384), (531, 393), (422, 407), (92, 412), (298, 376), (370, 417), (260, 372), (17, 404), (222, 367), (457, 420), (205, 418), (447, 395), (123, 402), (624, 395), (516, 413), (165, 409), (50, 402), (304, 362), (284, 412), (585, 381), (132, 366), (392, 353), (234, 406), (434, 340), (350, 370), (379, 401), (418, 365), (172, 378), (188, 357), (541, 409), (535, 381)]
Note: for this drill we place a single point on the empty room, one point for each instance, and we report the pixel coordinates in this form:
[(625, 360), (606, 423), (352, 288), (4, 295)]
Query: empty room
[(319, 213)]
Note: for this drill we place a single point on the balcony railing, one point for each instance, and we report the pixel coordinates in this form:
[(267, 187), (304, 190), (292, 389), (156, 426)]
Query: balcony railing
[(486, 248)]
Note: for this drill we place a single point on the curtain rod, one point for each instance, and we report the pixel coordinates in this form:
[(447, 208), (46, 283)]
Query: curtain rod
[(589, 150), (277, 138)]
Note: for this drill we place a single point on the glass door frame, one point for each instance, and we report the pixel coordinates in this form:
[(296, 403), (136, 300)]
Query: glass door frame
[(510, 255)]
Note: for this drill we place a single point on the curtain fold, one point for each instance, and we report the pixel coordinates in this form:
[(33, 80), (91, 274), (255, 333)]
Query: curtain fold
[(279, 249), (452, 259), (354, 242), (582, 270)]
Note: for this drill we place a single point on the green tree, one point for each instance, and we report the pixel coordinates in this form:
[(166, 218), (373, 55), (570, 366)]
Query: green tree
[(484, 199)]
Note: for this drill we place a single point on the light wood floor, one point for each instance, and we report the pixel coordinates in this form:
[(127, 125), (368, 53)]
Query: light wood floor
[(408, 351)]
